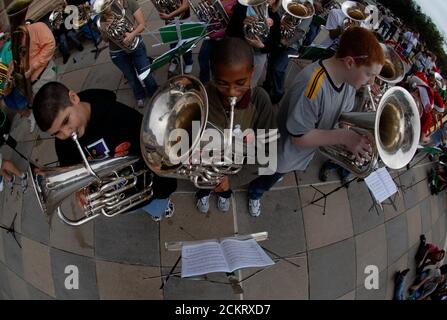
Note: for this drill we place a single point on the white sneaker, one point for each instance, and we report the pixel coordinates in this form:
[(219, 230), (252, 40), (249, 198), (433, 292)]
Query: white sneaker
[(169, 212), (140, 103), (223, 204), (254, 207), (32, 123), (203, 204), (1, 183), (24, 182), (172, 67), (188, 69)]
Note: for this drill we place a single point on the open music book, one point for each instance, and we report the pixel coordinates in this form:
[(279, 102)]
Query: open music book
[(225, 256), (381, 184)]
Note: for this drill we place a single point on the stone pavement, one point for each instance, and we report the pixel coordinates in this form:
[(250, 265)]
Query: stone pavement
[(317, 256)]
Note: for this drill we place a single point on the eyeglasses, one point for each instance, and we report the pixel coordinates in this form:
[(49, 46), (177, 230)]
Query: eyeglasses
[(228, 87)]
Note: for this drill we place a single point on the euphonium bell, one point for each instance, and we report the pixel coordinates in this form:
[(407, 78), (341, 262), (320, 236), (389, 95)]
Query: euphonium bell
[(181, 106), (295, 12), (354, 12), (393, 131)]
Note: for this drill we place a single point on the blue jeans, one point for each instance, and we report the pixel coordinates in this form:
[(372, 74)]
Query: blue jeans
[(63, 42), (204, 59), (276, 73), (311, 34), (187, 57), (262, 184), (133, 63), (90, 32), (157, 207)]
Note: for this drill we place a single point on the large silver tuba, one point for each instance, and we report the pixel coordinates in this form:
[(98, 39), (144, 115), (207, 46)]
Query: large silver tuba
[(167, 6), (181, 106), (393, 131), (115, 21), (211, 12), (258, 28), (295, 12), (110, 186)]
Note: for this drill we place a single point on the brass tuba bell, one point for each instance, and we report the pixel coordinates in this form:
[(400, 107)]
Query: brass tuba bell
[(354, 12), (393, 131)]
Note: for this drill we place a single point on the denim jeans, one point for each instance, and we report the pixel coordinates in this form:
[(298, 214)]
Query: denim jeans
[(156, 207), (399, 289), (206, 192), (89, 31), (276, 73), (311, 34), (204, 59), (262, 184), (63, 42), (134, 63), (187, 57)]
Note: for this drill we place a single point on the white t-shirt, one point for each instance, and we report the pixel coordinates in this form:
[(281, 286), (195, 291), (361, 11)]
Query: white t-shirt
[(334, 20)]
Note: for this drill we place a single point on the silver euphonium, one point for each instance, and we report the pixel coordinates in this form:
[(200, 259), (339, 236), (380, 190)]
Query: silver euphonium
[(259, 28), (172, 132), (295, 12), (354, 12), (167, 6), (393, 131), (115, 21), (211, 12), (110, 186)]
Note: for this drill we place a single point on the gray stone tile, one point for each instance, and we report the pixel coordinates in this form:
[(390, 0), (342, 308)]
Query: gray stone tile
[(104, 76), (397, 238), (44, 152), (188, 224), (283, 281), (126, 96), (436, 235), (131, 238), (411, 259), (425, 209), (214, 287), (348, 296), (332, 271), (87, 275), (36, 294), (121, 281), (389, 211), (19, 287), (335, 225), (4, 282), (35, 223), (78, 240), (414, 185), (371, 249), (281, 217), (2, 248), (13, 253), (442, 222), (75, 79), (364, 217), (374, 294), (37, 265), (310, 176), (414, 225), (12, 208), (434, 208)]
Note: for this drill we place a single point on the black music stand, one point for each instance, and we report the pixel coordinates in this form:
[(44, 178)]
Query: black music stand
[(97, 50), (11, 230)]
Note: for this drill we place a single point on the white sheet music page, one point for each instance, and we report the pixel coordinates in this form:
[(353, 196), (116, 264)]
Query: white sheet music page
[(244, 254), (202, 258), (381, 184)]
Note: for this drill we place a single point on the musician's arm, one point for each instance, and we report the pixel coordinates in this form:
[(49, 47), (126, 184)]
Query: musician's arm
[(182, 8), (139, 17)]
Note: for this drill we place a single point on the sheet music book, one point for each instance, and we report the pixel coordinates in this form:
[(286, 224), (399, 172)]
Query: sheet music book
[(381, 184), (225, 256)]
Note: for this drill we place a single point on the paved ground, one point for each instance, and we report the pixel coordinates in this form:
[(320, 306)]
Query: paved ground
[(317, 256)]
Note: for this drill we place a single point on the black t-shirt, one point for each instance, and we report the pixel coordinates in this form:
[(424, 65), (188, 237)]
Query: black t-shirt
[(113, 129)]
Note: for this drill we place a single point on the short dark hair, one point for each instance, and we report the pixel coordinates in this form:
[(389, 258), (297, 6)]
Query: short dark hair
[(52, 98), (230, 51)]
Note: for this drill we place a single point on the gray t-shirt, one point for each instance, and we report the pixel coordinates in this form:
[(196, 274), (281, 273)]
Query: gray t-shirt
[(129, 5), (314, 102)]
